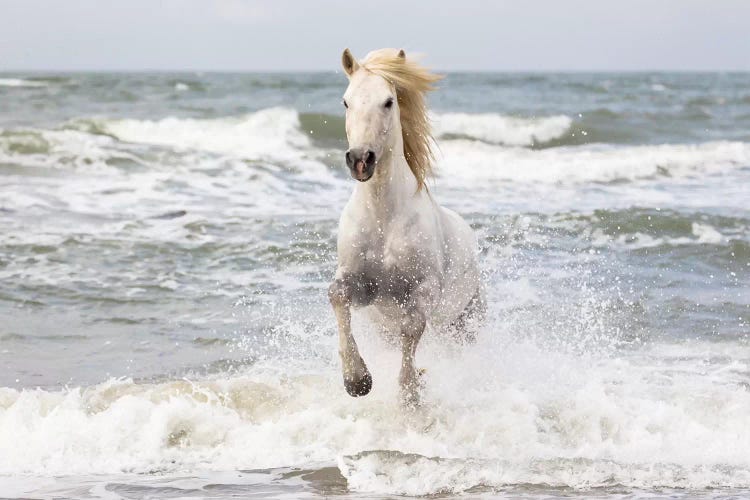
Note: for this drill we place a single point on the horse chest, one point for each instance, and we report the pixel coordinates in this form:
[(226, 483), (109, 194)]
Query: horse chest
[(386, 280), (384, 261)]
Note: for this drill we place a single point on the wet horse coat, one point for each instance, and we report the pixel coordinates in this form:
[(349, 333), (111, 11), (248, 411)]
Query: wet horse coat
[(398, 250)]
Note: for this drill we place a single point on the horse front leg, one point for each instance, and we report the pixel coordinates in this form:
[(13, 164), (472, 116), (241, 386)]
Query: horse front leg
[(357, 378), (413, 325)]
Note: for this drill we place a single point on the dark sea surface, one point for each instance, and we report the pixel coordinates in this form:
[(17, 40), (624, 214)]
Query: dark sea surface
[(166, 242)]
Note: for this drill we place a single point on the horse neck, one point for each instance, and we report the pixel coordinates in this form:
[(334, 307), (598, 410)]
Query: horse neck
[(393, 187)]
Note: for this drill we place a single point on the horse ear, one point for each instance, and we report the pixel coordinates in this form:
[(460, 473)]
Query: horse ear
[(401, 54), (348, 62)]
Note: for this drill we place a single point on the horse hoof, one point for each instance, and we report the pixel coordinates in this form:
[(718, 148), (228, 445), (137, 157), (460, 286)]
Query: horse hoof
[(361, 387)]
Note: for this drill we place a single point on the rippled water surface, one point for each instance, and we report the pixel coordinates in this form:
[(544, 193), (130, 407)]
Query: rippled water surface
[(166, 241)]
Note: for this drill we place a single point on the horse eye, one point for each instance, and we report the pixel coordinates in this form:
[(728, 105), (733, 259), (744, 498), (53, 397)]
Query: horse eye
[(389, 103), (345, 104)]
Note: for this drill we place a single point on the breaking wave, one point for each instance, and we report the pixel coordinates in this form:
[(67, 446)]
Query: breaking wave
[(20, 82), (272, 132), (498, 414), (471, 160), (500, 129), (283, 137)]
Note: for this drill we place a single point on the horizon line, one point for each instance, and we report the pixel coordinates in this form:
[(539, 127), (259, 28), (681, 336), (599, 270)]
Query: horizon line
[(321, 71)]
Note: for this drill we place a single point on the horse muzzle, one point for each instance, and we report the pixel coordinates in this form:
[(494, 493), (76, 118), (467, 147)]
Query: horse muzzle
[(361, 163)]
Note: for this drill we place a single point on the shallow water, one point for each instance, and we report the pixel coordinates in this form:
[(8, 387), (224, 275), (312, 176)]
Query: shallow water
[(166, 241)]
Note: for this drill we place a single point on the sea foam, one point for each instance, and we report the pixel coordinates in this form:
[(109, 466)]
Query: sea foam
[(499, 413), (268, 133), (474, 160), (501, 129), (20, 82)]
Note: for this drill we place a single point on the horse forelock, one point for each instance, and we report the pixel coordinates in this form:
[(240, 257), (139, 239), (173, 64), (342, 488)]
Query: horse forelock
[(412, 81)]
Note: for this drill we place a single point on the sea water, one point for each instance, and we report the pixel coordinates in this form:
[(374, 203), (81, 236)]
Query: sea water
[(166, 243)]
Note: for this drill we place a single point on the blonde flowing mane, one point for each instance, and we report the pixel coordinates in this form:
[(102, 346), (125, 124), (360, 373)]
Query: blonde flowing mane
[(412, 81)]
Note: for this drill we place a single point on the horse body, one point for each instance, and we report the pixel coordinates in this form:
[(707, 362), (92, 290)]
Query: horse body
[(413, 261), (392, 253)]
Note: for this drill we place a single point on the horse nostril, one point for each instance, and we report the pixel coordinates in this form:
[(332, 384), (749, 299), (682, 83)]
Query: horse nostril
[(349, 158), (369, 157)]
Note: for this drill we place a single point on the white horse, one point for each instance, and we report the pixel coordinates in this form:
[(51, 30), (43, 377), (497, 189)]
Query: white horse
[(398, 250)]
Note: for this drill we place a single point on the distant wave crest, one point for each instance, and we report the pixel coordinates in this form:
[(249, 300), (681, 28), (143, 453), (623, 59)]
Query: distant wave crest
[(500, 129), (20, 82), (473, 160), (272, 132)]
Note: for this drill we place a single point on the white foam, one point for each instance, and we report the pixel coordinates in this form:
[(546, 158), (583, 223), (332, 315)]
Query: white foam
[(473, 160), (495, 414), (501, 129), (82, 166), (20, 82), (417, 475), (705, 234), (268, 133), (66, 149)]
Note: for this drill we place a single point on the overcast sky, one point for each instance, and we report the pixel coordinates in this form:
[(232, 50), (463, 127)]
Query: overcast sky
[(253, 35)]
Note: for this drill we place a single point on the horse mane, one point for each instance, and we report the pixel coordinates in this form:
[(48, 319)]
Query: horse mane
[(412, 81)]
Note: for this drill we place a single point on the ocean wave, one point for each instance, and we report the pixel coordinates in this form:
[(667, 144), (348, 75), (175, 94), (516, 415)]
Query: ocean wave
[(62, 149), (488, 127), (325, 130), (21, 82), (89, 171), (283, 137), (272, 135), (498, 414), (23, 142), (496, 129), (271, 132), (499, 129), (183, 85), (649, 227), (701, 234), (627, 229), (416, 475), (474, 160)]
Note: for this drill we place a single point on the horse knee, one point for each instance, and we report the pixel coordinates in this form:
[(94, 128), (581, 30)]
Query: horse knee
[(412, 328), (339, 294), (414, 322)]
